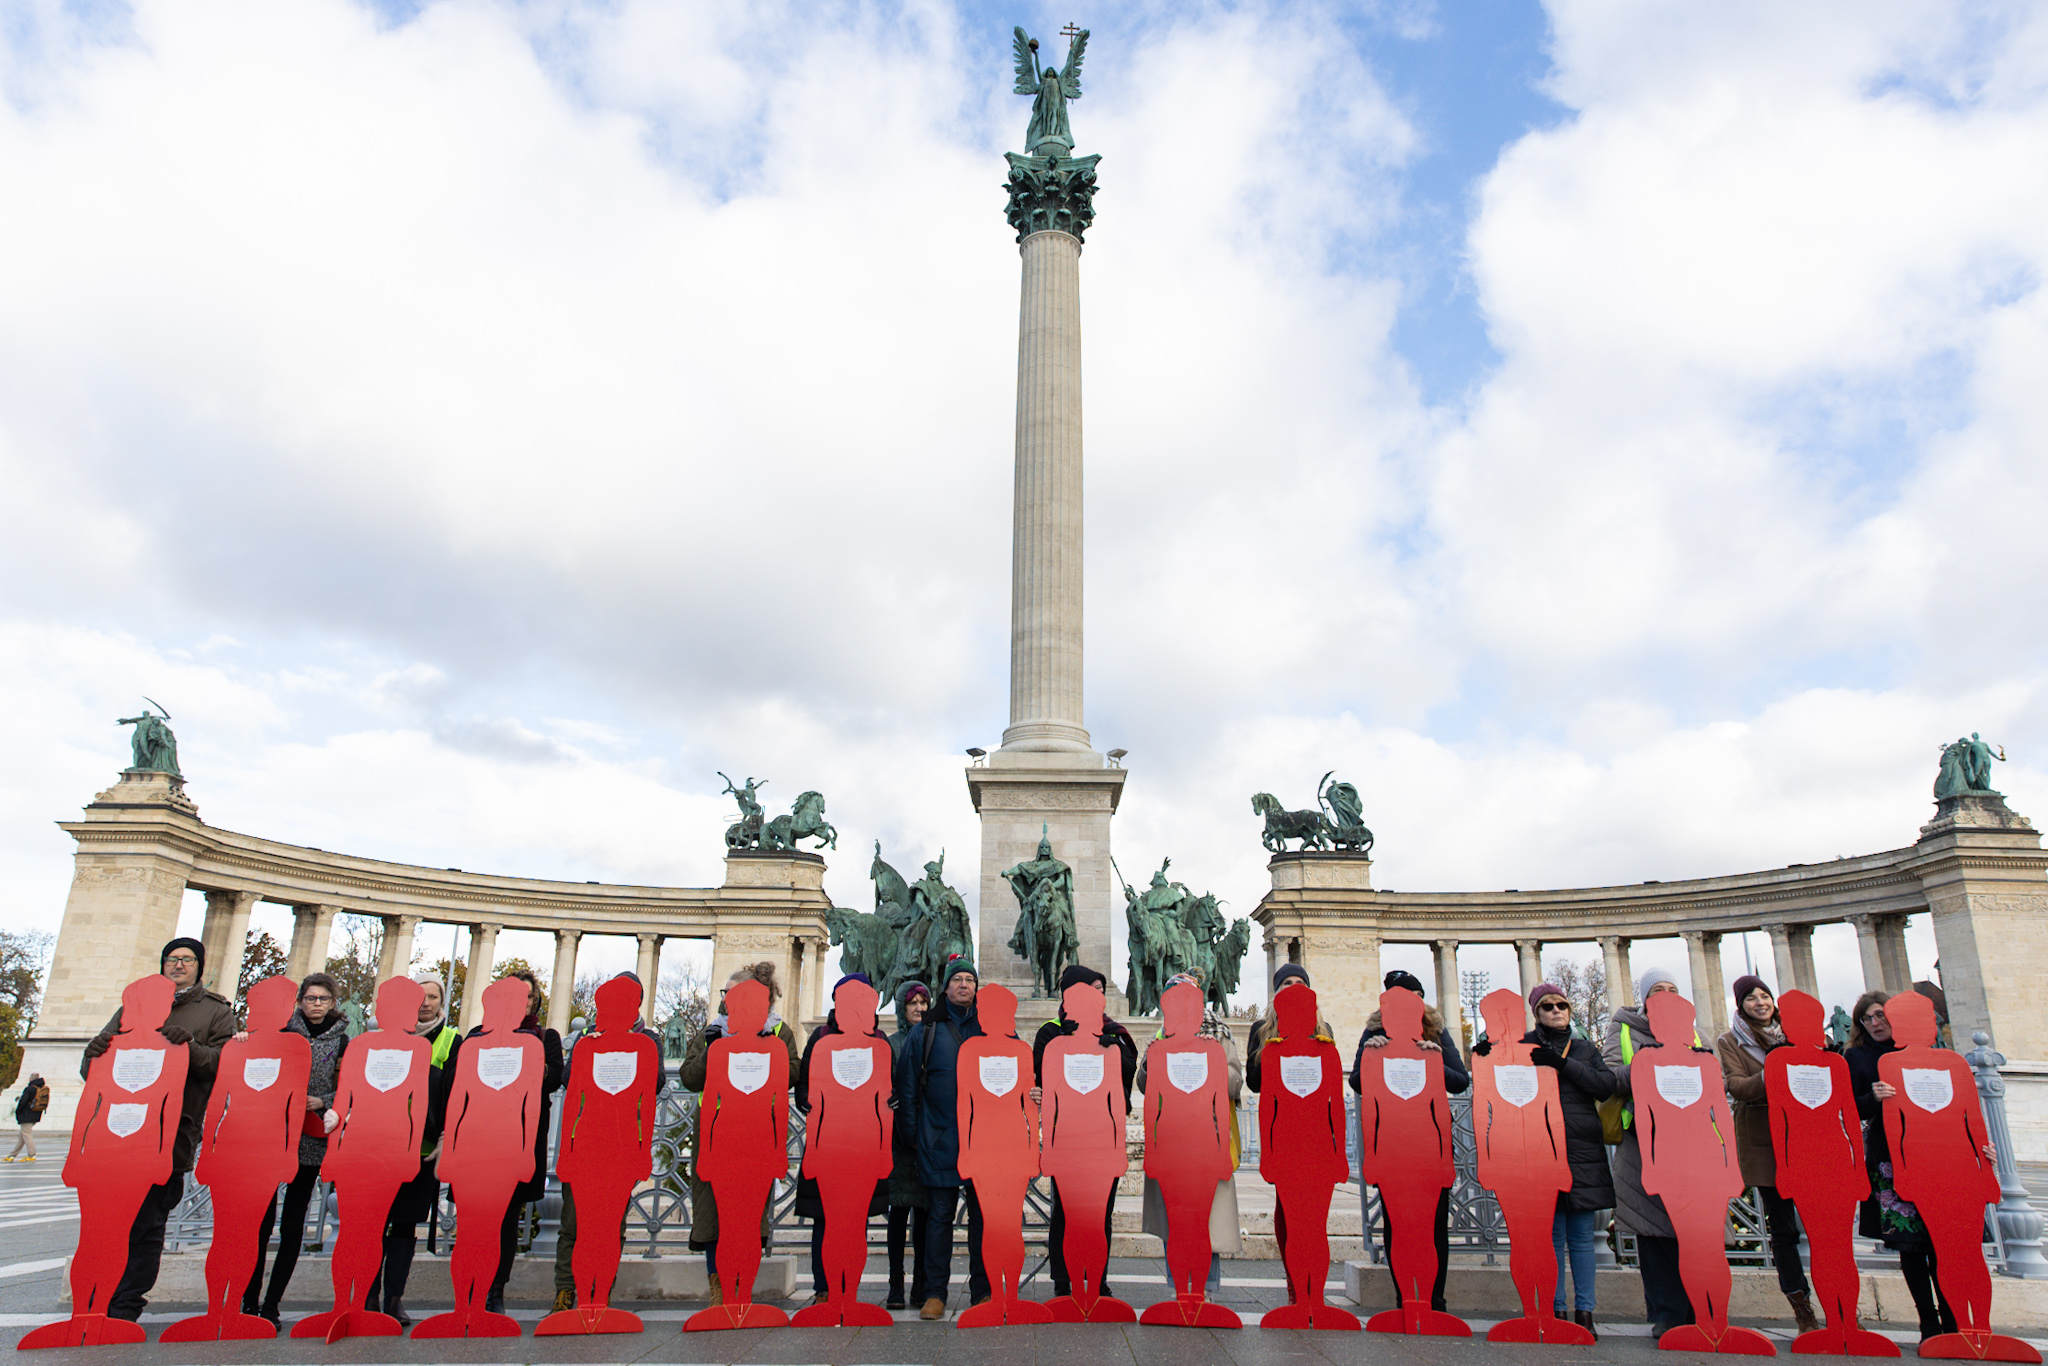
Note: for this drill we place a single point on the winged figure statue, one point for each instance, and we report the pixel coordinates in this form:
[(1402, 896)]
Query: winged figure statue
[(1053, 88)]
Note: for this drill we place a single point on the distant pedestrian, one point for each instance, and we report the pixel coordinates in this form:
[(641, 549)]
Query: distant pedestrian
[(203, 1022), (28, 1112)]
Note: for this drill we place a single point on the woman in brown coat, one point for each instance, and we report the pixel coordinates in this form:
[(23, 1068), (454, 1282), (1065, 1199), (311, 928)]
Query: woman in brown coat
[(1755, 1032)]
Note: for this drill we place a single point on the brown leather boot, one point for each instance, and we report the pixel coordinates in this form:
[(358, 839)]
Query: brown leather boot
[(1802, 1311), (933, 1309)]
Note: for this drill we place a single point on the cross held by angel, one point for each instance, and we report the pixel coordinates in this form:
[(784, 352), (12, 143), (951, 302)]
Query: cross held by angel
[(1049, 133)]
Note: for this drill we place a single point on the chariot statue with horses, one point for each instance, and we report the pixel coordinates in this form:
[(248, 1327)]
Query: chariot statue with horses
[(806, 820), (1340, 824)]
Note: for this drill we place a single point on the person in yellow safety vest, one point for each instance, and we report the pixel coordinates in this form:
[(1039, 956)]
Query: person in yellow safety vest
[(416, 1197), (1636, 1211)]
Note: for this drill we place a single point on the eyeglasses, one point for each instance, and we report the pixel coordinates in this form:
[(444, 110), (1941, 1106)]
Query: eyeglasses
[(316, 998), (1873, 1017), (183, 960)]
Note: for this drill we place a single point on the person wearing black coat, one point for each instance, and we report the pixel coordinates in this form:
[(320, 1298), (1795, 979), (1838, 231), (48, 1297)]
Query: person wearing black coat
[(927, 1088), (1583, 1081), (1884, 1216), (535, 1186), (1127, 1048), (1457, 1080), (907, 1198), (809, 1205)]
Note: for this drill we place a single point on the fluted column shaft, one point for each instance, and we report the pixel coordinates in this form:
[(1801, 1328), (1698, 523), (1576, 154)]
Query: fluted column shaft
[(1529, 959), (1448, 999), (648, 968), (1045, 563), (562, 985), (1621, 988), (483, 952)]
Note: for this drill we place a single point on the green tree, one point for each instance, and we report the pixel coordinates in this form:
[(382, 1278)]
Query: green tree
[(512, 965), (24, 955), (262, 957), (354, 969)]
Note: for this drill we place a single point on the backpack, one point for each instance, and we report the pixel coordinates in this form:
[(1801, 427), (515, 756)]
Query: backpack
[(1615, 1114)]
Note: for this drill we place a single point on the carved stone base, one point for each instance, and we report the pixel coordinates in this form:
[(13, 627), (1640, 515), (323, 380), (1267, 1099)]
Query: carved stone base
[(1073, 806), (1974, 811), (145, 787), (1323, 914)]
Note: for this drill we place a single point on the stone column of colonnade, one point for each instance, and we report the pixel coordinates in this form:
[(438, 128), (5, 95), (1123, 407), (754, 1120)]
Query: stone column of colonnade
[(1529, 959), (483, 952), (1881, 942), (312, 935), (394, 959), (1444, 952), (1792, 958), (648, 968), (1709, 993), (562, 982), (1621, 982), (226, 936)]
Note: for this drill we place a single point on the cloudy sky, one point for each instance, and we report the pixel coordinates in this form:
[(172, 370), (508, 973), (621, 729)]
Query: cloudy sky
[(1601, 433)]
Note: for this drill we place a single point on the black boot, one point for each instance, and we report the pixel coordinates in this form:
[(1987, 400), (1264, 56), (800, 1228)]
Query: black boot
[(895, 1300), (1584, 1318), (494, 1303)]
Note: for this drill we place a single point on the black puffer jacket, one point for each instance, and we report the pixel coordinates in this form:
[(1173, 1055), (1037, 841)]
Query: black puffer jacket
[(809, 1204), (1582, 1083)]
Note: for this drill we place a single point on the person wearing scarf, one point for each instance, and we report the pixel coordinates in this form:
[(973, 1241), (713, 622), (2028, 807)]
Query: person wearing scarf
[(320, 1020), (1112, 1033), (1755, 1032), (692, 1074), (415, 1199), (1223, 1217), (1636, 1211)]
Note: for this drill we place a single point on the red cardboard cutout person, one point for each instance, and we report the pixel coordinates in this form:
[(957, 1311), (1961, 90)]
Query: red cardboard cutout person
[(120, 1146), (1817, 1139), (999, 1153), (1301, 1154), (249, 1147), (1084, 1150), (743, 1124), (1519, 1126), (381, 1101), (1689, 1162), (1942, 1162), (1404, 1121), (606, 1149), (1188, 1123), (847, 1152), (487, 1148)]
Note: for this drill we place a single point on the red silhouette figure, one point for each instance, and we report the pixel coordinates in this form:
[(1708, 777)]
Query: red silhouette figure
[(999, 1154), (381, 1101), (607, 1148), (1301, 1154), (249, 1147), (1942, 1162), (1084, 1150), (1519, 1127), (847, 1152), (1689, 1162), (743, 1125), (120, 1146), (486, 1152), (1817, 1138), (1188, 1124), (1404, 1121)]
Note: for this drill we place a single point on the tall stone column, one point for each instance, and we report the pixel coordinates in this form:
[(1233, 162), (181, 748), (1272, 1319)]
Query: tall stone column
[(1871, 952), (226, 937), (649, 968), (1891, 951), (1703, 961), (399, 933), (312, 935), (1047, 777), (1529, 958), (1448, 998), (562, 985), (1804, 977), (1621, 987), (483, 952), (1981, 866), (1781, 958)]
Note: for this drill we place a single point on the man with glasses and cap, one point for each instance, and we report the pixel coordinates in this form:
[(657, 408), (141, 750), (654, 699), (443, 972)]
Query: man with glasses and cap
[(203, 1022), (1457, 1080)]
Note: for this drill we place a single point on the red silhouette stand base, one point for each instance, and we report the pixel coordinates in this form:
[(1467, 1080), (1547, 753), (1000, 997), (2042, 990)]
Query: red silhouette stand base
[(1084, 1151), (999, 1154), (1301, 1154), (1941, 1161), (120, 1147), (1515, 1113), (743, 1125)]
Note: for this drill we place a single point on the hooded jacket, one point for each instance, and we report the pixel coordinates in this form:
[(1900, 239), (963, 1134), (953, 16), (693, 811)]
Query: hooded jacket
[(927, 1087), (1635, 1210)]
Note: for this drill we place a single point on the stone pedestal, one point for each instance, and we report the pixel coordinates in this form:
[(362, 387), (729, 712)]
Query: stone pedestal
[(1986, 879), (1073, 806), (1323, 914), (772, 906)]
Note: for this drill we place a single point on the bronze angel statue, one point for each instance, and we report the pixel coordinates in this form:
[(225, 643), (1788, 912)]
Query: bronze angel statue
[(1053, 89)]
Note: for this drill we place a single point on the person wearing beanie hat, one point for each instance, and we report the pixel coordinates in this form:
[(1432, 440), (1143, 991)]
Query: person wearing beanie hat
[(1754, 1031), (1078, 974), (1290, 972), (809, 1204), (928, 1103), (1635, 1210), (1255, 1040), (907, 1198), (1436, 1035), (203, 1022)]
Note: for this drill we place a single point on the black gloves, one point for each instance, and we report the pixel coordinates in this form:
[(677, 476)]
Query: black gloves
[(1698, 1048), (1546, 1056), (1484, 1048), (1106, 1039), (97, 1046), (175, 1034), (713, 1034)]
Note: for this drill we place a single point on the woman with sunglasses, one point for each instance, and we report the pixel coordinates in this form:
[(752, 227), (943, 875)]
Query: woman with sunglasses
[(1885, 1217), (1583, 1081)]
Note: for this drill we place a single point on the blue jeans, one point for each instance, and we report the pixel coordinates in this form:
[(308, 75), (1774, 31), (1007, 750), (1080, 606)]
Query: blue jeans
[(1574, 1230)]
